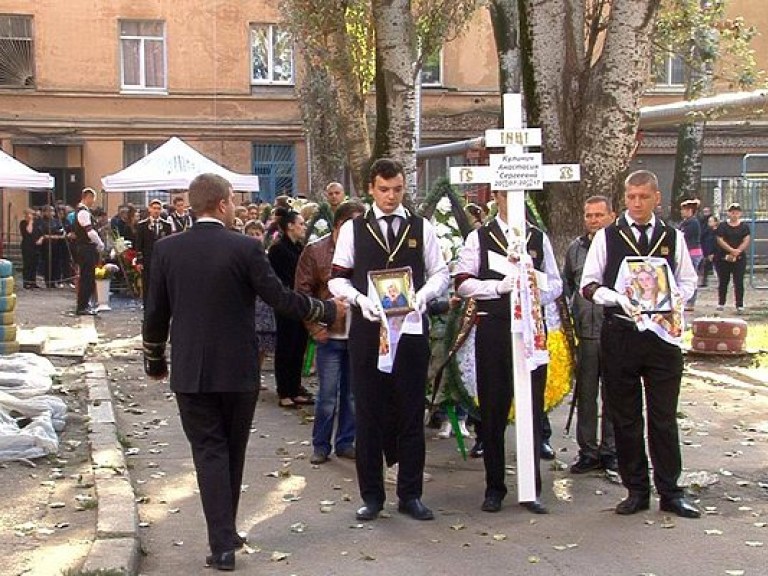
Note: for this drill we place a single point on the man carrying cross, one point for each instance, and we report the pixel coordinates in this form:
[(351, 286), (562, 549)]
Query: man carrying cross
[(478, 277), (642, 347)]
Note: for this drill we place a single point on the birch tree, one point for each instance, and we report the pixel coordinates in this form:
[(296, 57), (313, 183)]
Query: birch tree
[(588, 63)]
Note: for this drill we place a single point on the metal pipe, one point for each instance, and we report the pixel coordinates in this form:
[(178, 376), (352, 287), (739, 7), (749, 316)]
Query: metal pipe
[(650, 116)]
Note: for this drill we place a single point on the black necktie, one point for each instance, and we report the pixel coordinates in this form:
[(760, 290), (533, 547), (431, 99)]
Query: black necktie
[(642, 242), (156, 228), (390, 220)]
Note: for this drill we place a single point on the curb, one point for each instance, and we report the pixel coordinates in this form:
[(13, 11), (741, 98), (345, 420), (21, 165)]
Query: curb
[(116, 545)]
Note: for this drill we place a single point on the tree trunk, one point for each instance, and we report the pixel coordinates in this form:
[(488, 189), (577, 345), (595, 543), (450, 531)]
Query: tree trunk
[(587, 104), (351, 106), (396, 69), (504, 18)]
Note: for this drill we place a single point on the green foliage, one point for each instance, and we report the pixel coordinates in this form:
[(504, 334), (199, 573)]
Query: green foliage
[(440, 21), (700, 32)]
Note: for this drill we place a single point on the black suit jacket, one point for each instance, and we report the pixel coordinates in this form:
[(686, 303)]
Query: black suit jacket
[(146, 238), (203, 286)]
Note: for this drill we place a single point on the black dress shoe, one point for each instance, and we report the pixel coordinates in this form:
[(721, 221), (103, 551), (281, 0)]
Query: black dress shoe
[(241, 539), (415, 509), (547, 453), (370, 511), (633, 504), (476, 450), (224, 561), (680, 506), (585, 464), (609, 463), (535, 507), (86, 312), (491, 504)]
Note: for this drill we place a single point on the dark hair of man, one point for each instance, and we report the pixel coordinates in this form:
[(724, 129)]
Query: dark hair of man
[(206, 191), (346, 210), (286, 217), (177, 199), (597, 199), (386, 168), (642, 178)]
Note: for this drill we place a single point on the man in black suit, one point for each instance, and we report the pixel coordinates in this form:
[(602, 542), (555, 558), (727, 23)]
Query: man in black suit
[(203, 288), (149, 231)]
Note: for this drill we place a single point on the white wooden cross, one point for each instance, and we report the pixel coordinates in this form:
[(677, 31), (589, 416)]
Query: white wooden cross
[(516, 171)]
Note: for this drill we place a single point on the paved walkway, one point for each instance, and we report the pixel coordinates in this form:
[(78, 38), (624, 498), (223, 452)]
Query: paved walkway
[(300, 517)]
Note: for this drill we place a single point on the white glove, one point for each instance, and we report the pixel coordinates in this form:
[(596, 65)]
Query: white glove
[(420, 303), (370, 310), (505, 286), (607, 297)]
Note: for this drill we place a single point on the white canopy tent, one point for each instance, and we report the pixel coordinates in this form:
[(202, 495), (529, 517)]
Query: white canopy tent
[(14, 174), (173, 166)]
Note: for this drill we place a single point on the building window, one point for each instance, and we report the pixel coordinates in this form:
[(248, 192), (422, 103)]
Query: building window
[(271, 55), (17, 68), (133, 152), (275, 165), (669, 71), (432, 69), (142, 55)]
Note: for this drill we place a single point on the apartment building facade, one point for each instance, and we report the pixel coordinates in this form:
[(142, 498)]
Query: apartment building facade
[(87, 88)]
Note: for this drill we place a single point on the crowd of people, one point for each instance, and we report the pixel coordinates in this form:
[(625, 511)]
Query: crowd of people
[(272, 290)]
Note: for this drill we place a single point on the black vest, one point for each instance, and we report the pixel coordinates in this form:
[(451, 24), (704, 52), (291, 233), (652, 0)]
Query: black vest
[(620, 243), (371, 253), (492, 239), (81, 233)]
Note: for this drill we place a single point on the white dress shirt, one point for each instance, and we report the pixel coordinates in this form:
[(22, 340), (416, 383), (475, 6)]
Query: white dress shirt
[(435, 268), (469, 263), (594, 266)]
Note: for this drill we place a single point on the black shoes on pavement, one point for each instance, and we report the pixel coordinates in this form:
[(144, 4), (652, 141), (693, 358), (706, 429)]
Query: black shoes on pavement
[(415, 509), (679, 506), (369, 511), (224, 561), (586, 464), (535, 507), (547, 453), (633, 504), (318, 457), (491, 504)]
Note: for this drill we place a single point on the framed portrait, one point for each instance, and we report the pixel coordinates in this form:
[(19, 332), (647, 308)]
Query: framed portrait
[(647, 285), (394, 288)]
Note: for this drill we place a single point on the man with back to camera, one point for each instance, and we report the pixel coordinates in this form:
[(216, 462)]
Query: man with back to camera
[(389, 406), (587, 322), (88, 245), (642, 356), (203, 289)]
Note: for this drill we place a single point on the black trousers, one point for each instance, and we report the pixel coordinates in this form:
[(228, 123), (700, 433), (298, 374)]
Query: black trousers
[(290, 345), (30, 256), (493, 356), (389, 416), (726, 270), (217, 426), (87, 258), (637, 362)]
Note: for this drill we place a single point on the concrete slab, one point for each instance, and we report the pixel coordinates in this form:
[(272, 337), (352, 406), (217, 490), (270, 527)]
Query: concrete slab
[(101, 411), (117, 515), (113, 555)]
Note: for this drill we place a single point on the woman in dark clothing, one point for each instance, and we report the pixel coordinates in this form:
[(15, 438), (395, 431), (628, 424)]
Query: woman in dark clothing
[(30, 247), (733, 238), (291, 334)]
